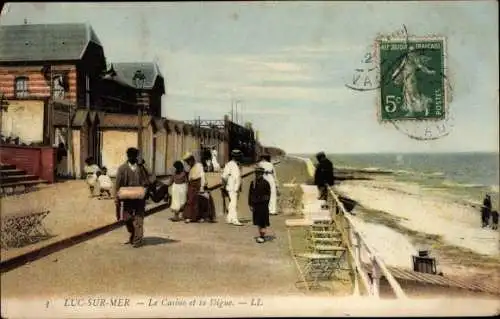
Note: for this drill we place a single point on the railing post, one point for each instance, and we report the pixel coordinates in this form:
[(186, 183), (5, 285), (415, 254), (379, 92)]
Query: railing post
[(375, 278), (355, 243), (357, 251)]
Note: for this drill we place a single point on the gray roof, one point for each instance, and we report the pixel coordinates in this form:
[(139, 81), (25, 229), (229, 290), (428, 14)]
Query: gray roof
[(45, 42), (125, 73)]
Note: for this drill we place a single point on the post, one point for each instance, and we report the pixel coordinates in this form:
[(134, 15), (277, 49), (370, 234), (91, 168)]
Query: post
[(353, 239), (139, 128), (51, 108), (375, 278)]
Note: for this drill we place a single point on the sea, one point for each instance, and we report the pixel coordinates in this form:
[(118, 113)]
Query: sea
[(468, 176)]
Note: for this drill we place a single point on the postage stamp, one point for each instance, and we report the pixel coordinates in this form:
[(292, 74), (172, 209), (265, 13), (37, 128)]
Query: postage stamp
[(412, 78)]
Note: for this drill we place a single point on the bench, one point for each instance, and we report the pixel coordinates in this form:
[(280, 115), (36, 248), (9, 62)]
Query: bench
[(21, 229)]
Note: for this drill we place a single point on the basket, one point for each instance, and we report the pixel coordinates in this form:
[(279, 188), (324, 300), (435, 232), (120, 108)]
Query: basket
[(136, 192)]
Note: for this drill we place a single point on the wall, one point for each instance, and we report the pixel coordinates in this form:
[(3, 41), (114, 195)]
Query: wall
[(147, 147), (161, 152), (39, 161), (21, 112), (77, 170), (114, 147), (38, 86)]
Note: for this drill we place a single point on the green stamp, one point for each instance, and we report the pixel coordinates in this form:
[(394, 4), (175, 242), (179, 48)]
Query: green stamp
[(412, 79)]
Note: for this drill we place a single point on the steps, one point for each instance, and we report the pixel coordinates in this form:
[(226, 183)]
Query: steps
[(12, 178)]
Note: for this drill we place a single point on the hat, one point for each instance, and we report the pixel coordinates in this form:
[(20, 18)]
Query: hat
[(187, 155), (259, 169), (236, 152)]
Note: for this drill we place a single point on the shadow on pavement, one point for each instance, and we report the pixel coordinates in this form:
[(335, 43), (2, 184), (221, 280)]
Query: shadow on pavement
[(153, 241)]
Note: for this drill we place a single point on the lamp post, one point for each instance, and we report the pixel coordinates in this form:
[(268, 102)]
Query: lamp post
[(139, 79)]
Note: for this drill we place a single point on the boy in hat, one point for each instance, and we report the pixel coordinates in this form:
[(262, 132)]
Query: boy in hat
[(258, 200), (231, 181)]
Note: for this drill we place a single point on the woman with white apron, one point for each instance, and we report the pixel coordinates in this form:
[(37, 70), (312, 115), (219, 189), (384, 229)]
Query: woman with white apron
[(270, 177)]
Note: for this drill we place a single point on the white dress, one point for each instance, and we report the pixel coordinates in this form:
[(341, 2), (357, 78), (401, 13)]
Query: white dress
[(179, 196), (215, 162), (270, 177)]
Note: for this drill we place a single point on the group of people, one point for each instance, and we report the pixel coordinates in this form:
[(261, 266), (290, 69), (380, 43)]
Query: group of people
[(487, 213), (209, 159), (97, 178), (191, 198)]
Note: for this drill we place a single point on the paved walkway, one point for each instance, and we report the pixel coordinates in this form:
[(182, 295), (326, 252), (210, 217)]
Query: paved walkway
[(72, 211), (178, 260)]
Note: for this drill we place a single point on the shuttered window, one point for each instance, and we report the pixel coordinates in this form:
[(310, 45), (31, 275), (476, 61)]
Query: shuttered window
[(21, 87)]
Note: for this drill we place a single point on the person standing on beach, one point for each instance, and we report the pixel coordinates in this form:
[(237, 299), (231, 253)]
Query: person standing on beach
[(258, 201), (231, 181), (486, 211), (131, 174), (323, 176), (270, 177)]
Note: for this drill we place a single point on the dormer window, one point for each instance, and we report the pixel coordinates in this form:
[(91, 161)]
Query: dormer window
[(21, 87)]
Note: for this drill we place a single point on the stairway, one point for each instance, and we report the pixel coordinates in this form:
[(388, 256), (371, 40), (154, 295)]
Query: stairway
[(12, 179)]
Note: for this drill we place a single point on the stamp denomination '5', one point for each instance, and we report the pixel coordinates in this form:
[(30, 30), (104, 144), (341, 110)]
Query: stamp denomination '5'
[(412, 79)]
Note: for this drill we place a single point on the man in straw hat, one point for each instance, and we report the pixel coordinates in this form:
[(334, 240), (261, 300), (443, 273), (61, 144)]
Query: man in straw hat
[(196, 185), (231, 181), (131, 174)]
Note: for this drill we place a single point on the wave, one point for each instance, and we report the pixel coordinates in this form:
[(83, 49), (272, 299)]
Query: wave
[(461, 185)]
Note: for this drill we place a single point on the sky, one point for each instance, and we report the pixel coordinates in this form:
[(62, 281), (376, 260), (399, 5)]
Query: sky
[(288, 63)]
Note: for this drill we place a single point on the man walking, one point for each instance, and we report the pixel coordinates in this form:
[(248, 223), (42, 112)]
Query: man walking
[(131, 174), (270, 177), (323, 176), (231, 181)]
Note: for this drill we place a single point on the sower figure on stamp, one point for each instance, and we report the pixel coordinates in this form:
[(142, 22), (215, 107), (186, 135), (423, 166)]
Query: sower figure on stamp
[(231, 181), (258, 201), (132, 177), (323, 176)]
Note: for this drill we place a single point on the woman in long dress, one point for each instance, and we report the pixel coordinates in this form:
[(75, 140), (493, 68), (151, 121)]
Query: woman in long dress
[(179, 190)]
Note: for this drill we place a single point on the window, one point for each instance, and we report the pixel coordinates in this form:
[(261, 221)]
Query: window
[(21, 87), (59, 87), (87, 91)]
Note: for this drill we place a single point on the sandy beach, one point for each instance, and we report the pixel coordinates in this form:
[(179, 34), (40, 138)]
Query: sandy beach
[(399, 218)]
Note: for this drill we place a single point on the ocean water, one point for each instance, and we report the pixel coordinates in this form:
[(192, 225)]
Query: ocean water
[(466, 175)]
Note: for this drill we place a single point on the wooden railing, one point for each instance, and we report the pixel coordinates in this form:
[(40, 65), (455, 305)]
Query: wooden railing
[(357, 248)]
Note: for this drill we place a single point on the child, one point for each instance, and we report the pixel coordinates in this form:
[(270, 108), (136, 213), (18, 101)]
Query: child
[(179, 190), (105, 183), (90, 170), (258, 200), (494, 219)]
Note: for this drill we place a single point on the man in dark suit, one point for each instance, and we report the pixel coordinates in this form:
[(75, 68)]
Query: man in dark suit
[(323, 176)]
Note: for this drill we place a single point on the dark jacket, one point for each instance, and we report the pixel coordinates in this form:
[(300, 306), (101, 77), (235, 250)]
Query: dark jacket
[(260, 193), (324, 173)]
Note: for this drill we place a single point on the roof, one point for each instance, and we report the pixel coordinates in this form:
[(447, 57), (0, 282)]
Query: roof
[(45, 42), (125, 73), (119, 121), (80, 117)]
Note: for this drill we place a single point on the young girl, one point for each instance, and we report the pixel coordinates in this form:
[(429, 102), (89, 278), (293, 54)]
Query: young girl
[(179, 190), (105, 183), (258, 200), (90, 170)]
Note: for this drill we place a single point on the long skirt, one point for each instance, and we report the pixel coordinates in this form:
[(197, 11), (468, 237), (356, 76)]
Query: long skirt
[(207, 207), (260, 215), (192, 206), (179, 196)]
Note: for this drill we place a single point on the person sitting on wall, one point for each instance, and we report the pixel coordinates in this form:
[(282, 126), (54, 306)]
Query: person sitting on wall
[(323, 176)]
